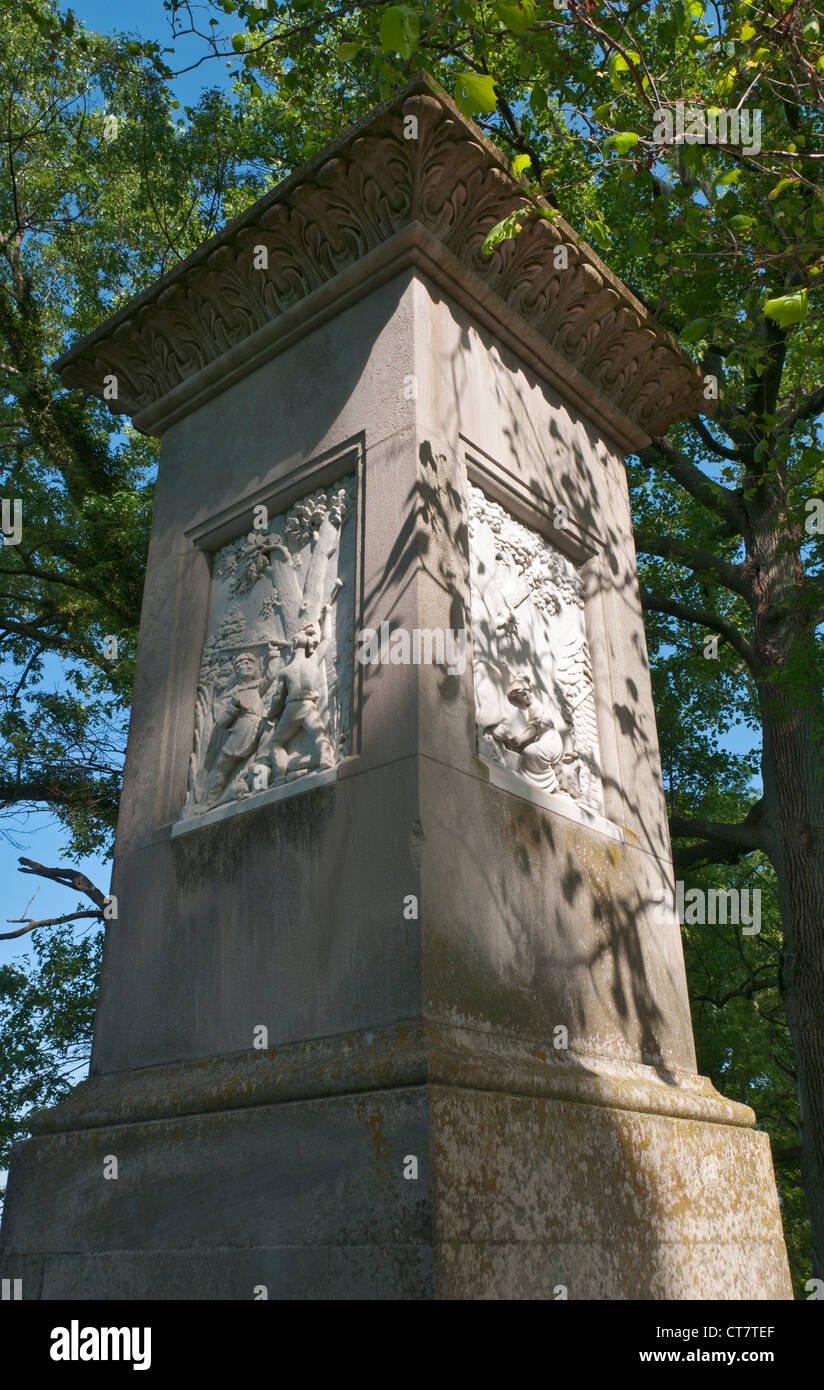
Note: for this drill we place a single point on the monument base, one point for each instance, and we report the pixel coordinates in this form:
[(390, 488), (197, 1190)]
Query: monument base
[(439, 1186)]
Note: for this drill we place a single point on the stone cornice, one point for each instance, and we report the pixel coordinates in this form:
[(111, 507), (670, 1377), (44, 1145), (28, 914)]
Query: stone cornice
[(343, 212)]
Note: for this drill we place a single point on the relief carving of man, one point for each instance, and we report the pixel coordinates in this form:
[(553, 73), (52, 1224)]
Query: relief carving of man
[(295, 706), (239, 717)]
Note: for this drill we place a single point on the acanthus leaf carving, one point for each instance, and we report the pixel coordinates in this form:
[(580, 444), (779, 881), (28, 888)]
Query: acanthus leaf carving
[(369, 186)]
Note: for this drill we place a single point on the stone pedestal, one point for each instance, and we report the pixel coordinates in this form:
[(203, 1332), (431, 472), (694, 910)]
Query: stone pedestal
[(394, 1005)]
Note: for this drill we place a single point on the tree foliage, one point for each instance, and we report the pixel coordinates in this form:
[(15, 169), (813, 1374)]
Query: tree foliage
[(47, 1003)]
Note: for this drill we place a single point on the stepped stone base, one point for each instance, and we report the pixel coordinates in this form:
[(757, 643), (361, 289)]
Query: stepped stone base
[(518, 1195)]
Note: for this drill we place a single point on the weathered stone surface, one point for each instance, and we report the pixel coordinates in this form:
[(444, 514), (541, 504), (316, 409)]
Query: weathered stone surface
[(516, 1197), (408, 1054)]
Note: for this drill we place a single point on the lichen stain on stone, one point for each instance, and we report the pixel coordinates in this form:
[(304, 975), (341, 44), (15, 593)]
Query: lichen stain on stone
[(371, 1117)]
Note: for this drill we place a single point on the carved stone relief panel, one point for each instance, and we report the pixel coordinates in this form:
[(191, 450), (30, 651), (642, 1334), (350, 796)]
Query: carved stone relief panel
[(534, 695), (274, 699)]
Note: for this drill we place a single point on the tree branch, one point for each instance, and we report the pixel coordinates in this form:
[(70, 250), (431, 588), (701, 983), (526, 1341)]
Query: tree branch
[(660, 603), (53, 642), (700, 561), (722, 450), (790, 1156), (46, 922), (716, 498), (697, 856), (745, 835), (58, 793), (70, 878), (812, 405), (742, 992)]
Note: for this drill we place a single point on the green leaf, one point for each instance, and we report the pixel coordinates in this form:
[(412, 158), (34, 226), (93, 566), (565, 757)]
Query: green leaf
[(695, 220), (238, 42), (597, 232), (746, 32), (618, 65), (741, 222), (517, 15), (787, 308), (519, 163), (400, 30), (475, 92), (725, 81), (693, 156), (811, 31), (731, 176), (695, 331), (347, 51), (622, 142), (779, 188), (504, 230), (603, 112), (538, 99)]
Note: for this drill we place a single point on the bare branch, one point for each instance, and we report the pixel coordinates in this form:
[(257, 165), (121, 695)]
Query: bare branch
[(46, 922), (70, 878)]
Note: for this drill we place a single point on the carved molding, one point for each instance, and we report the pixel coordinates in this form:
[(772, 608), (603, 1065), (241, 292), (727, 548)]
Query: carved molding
[(352, 197)]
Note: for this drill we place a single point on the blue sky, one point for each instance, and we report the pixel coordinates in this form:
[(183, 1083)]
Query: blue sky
[(147, 19)]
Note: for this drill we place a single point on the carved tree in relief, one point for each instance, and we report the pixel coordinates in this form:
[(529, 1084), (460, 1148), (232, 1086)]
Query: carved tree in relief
[(274, 696)]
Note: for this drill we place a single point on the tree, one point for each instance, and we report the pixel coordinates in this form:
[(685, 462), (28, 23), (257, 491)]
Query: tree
[(46, 1018), (741, 1035)]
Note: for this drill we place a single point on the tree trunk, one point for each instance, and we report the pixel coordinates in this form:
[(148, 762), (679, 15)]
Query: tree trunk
[(792, 769)]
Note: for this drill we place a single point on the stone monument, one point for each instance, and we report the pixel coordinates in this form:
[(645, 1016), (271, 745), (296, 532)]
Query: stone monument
[(394, 1004)]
